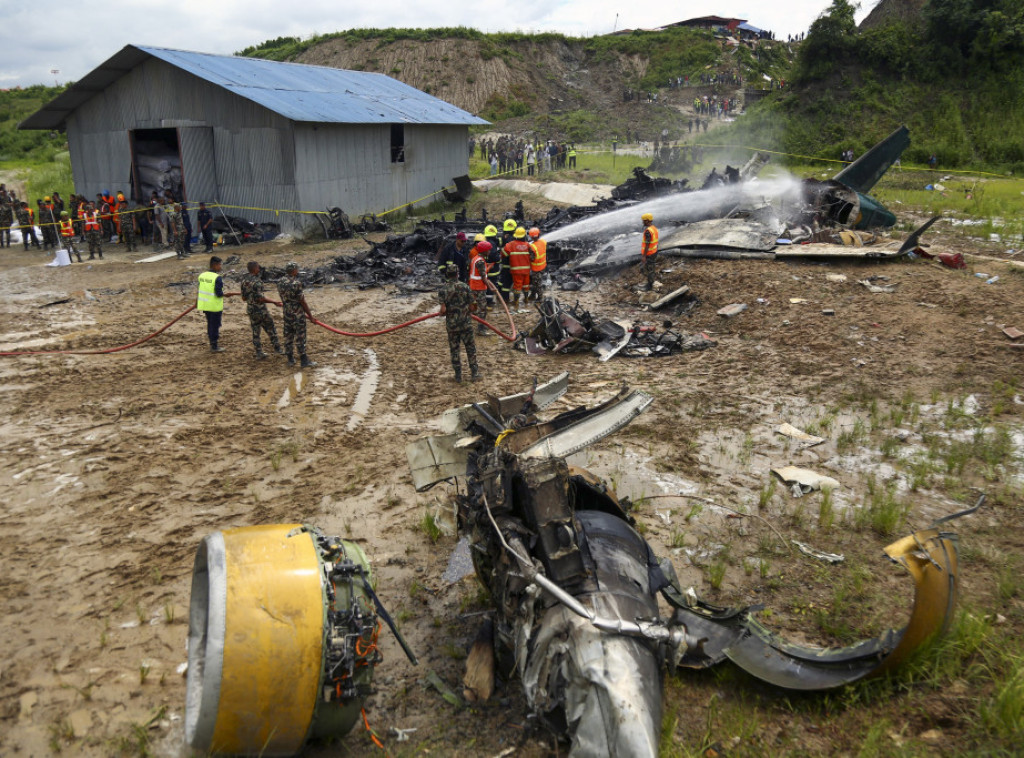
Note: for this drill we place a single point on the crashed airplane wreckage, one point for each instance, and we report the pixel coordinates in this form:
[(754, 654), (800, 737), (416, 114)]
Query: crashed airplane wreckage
[(733, 215), (575, 586), (737, 216)]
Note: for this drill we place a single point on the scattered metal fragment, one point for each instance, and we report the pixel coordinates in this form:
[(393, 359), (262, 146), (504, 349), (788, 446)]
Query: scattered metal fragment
[(1013, 333), (670, 297), (804, 479), (877, 289), (788, 430), (734, 309), (820, 555)]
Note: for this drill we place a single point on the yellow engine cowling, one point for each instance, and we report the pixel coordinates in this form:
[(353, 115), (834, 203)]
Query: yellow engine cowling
[(266, 664)]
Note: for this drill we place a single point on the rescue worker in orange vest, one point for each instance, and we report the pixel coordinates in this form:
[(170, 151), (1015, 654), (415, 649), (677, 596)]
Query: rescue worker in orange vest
[(538, 263), (649, 250), (520, 256), (48, 222), (93, 224), (116, 207), (479, 270), (493, 261), (67, 232), (105, 205)]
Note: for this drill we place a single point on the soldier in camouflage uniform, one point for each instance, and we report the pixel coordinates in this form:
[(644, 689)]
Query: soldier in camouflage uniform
[(126, 215), (27, 224), (176, 230), (457, 303), (255, 306), (6, 219), (93, 230), (296, 311)]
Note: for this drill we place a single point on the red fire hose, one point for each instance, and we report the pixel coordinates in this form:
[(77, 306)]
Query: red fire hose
[(329, 328)]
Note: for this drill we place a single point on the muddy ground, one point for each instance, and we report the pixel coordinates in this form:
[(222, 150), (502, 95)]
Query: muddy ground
[(114, 467)]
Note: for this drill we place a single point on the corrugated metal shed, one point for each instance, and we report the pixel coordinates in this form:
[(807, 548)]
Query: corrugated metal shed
[(299, 92)]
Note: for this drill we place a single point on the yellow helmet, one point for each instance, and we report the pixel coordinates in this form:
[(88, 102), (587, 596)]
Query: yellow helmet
[(479, 238), (490, 231), (520, 233), (510, 225), (647, 217)]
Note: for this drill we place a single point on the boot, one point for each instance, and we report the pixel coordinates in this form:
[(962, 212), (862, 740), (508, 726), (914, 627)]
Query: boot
[(260, 355), (215, 348), (458, 377), (475, 374), (305, 362), (92, 257), (291, 359), (278, 349), (101, 255), (79, 256)]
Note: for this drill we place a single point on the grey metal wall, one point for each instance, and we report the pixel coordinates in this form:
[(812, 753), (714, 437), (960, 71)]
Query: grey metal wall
[(199, 167), (252, 153), (350, 165)]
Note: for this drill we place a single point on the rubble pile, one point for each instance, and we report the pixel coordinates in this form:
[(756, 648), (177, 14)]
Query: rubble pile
[(563, 329)]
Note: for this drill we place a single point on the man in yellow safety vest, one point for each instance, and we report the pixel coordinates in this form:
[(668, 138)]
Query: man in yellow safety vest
[(211, 301)]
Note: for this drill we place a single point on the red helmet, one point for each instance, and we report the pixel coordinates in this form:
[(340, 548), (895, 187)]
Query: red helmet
[(534, 232), (483, 247)]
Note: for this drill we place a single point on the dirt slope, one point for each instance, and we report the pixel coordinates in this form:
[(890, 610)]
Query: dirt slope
[(550, 76)]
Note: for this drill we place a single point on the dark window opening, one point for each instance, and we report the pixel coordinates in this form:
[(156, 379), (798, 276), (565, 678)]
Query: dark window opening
[(398, 143), (156, 164)]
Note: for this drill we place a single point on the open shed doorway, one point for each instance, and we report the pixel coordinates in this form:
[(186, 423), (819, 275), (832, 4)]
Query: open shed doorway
[(156, 164)]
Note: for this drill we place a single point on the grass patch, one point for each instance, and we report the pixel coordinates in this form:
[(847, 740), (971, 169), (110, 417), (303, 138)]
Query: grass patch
[(430, 527), (882, 510)]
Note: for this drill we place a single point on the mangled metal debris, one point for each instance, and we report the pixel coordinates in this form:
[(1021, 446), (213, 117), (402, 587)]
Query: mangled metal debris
[(575, 587), (802, 480), (561, 329)]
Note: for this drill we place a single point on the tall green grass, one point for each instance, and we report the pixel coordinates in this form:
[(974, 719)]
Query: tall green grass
[(45, 178)]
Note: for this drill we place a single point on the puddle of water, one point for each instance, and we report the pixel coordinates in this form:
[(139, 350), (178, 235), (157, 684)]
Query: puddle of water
[(630, 474), (367, 388), (291, 391)]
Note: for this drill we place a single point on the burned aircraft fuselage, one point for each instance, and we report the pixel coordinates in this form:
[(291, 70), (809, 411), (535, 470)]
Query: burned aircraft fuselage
[(575, 587)]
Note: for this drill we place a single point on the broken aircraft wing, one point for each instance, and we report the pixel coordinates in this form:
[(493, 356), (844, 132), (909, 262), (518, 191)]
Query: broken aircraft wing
[(729, 233)]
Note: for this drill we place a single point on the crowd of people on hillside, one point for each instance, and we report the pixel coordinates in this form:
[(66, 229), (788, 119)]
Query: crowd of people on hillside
[(713, 106), (513, 155)]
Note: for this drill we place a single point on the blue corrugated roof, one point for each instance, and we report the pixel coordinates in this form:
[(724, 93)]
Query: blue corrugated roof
[(748, 28), (317, 93), (302, 93)]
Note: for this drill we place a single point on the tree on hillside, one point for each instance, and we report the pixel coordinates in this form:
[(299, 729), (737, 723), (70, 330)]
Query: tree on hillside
[(989, 31), (829, 41)]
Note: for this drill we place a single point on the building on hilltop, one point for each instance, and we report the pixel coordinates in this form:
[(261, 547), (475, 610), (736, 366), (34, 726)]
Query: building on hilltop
[(712, 23), (256, 133)]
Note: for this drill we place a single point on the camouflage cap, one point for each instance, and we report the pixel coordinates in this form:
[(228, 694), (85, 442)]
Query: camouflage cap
[(451, 270), (291, 266)]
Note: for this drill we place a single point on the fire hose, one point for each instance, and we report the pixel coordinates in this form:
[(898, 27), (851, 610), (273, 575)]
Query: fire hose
[(328, 327)]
